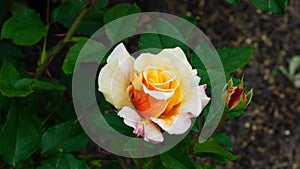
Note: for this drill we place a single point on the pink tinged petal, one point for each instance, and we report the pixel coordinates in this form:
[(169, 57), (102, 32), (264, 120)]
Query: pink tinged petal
[(139, 129), (152, 133), (131, 117), (114, 78), (143, 128), (202, 94)]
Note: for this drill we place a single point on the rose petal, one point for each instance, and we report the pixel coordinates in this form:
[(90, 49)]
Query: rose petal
[(184, 73), (147, 105), (143, 128), (119, 53), (159, 95), (114, 78), (192, 102), (147, 60), (131, 117), (161, 80), (168, 60), (203, 97), (174, 122), (152, 133), (195, 101), (178, 53), (177, 121)]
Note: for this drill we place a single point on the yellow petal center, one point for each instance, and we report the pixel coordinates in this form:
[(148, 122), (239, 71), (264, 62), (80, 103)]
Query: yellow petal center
[(155, 79)]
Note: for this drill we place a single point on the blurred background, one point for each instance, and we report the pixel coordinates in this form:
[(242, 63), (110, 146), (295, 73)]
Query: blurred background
[(267, 136)]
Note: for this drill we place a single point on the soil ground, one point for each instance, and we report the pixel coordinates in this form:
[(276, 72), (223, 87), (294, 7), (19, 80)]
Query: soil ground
[(267, 136)]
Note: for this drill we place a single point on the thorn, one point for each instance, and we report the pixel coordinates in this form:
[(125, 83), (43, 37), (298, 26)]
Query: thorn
[(48, 73), (61, 34), (89, 4), (31, 73), (50, 58)]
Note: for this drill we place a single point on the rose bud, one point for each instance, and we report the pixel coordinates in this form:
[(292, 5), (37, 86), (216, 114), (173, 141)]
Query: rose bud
[(235, 97)]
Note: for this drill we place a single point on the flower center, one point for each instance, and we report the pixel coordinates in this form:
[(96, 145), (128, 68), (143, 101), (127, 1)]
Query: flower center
[(160, 80), (154, 92)]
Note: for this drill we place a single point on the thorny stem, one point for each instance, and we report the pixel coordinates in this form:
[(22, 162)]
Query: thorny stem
[(122, 163), (44, 53), (194, 141), (140, 160), (42, 66), (140, 163)]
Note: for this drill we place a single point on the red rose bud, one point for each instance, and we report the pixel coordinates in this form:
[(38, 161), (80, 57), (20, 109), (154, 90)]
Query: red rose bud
[(235, 97)]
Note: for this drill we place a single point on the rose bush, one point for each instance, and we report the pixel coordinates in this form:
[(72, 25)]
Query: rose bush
[(153, 91)]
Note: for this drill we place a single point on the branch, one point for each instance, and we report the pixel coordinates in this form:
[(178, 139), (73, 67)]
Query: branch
[(41, 67)]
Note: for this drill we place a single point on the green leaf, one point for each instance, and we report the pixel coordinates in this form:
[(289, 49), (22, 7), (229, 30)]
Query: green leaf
[(96, 163), (157, 41), (20, 135), (65, 161), (121, 28), (212, 147), (233, 114), (8, 74), (71, 57), (233, 2), (43, 85), (67, 137), (176, 158), (234, 58), (91, 49), (27, 163), (151, 162), (11, 84), (274, 6), (24, 28), (66, 13), (223, 139)]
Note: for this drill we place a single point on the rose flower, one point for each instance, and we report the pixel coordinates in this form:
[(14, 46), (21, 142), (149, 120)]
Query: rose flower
[(153, 93)]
